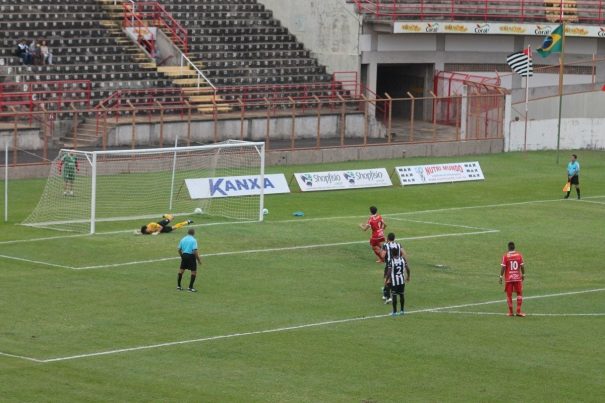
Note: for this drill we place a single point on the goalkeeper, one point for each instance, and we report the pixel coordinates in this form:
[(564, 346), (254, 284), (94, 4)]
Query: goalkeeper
[(68, 165), (154, 228)]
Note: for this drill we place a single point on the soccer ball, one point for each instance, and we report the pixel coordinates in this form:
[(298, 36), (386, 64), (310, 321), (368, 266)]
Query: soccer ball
[(198, 210), (265, 211)]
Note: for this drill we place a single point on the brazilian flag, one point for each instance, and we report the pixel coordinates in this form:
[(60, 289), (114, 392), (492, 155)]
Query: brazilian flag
[(552, 43)]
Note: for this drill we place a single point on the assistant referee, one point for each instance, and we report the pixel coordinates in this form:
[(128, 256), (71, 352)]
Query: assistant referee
[(573, 175), (189, 259)]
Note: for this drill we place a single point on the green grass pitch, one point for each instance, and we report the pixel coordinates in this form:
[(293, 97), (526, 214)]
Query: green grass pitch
[(289, 310)]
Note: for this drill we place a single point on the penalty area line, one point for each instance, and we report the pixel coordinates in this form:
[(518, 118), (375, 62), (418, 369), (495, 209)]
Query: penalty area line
[(440, 224), (21, 357), (36, 262), (288, 328), (287, 248)]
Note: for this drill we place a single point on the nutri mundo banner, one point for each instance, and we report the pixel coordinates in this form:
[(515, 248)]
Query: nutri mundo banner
[(338, 180), (440, 173), (230, 186)]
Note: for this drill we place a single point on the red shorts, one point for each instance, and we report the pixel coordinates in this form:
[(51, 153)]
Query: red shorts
[(376, 242), (514, 286)]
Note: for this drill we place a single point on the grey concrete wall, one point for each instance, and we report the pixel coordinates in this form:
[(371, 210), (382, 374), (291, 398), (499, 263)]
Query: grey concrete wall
[(327, 155), (329, 29), (576, 133), (280, 128), (167, 48), (551, 91), (27, 139), (583, 105), (582, 123)]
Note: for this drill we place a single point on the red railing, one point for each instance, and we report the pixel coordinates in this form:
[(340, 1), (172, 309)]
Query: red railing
[(347, 81), (153, 14), (455, 81), (175, 99), (449, 89), (142, 98), (540, 11), (277, 92), (44, 95)]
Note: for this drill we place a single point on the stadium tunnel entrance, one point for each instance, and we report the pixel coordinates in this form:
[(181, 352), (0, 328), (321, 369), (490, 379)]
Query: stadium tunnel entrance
[(399, 79)]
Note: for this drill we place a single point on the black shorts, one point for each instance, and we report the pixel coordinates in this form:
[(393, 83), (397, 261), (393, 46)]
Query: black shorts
[(165, 226), (575, 180), (188, 262), (398, 289)]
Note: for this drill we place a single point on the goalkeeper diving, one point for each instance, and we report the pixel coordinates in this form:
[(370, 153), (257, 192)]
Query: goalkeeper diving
[(155, 228)]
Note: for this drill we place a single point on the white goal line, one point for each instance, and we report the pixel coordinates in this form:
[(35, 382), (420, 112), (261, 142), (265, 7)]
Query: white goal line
[(280, 329)]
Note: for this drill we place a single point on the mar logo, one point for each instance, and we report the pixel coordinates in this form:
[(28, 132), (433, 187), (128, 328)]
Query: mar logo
[(350, 177), (307, 179), (430, 28), (482, 28)]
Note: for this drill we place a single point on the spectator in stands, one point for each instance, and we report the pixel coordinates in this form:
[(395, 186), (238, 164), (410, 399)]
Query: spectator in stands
[(157, 56), (37, 55), (47, 56), (22, 52), (32, 51)]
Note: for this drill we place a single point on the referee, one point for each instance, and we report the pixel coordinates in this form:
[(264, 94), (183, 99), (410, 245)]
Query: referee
[(573, 175), (189, 259)]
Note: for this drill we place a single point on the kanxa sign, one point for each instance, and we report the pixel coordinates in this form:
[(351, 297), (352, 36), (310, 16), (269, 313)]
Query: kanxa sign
[(231, 186)]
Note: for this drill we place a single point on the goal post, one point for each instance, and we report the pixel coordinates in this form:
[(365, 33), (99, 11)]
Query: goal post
[(85, 188)]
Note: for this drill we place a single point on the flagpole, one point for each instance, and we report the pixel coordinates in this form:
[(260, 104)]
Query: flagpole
[(526, 99), (561, 70)]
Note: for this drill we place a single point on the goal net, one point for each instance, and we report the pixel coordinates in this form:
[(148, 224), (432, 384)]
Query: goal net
[(87, 188)]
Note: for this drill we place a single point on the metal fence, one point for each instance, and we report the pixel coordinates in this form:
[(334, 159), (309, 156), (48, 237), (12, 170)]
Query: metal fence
[(292, 125)]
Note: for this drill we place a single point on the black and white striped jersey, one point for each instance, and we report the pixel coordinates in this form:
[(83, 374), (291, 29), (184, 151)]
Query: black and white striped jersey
[(397, 271), (395, 262)]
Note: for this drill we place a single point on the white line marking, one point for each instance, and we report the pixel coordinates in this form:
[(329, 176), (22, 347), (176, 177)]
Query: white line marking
[(22, 357), (486, 206), (439, 223), (49, 238), (561, 294), (241, 252), (528, 314), (36, 262), (287, 328), (590, 201), (301, 220)]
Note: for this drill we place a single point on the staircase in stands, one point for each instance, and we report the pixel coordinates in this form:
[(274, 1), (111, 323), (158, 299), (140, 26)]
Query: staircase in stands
[(200, 95)]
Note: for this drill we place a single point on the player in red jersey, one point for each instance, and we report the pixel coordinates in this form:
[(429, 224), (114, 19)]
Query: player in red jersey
[(376, 223), (513, 272)]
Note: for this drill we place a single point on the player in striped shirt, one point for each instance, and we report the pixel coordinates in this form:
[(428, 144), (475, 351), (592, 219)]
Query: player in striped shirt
[(397, 272), (513, 272)]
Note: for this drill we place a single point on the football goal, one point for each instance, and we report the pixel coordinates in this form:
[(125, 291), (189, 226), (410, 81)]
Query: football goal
[(89, 187)]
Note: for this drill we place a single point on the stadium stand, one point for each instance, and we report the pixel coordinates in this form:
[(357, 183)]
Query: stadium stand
[(235, 42), (240, 45)]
